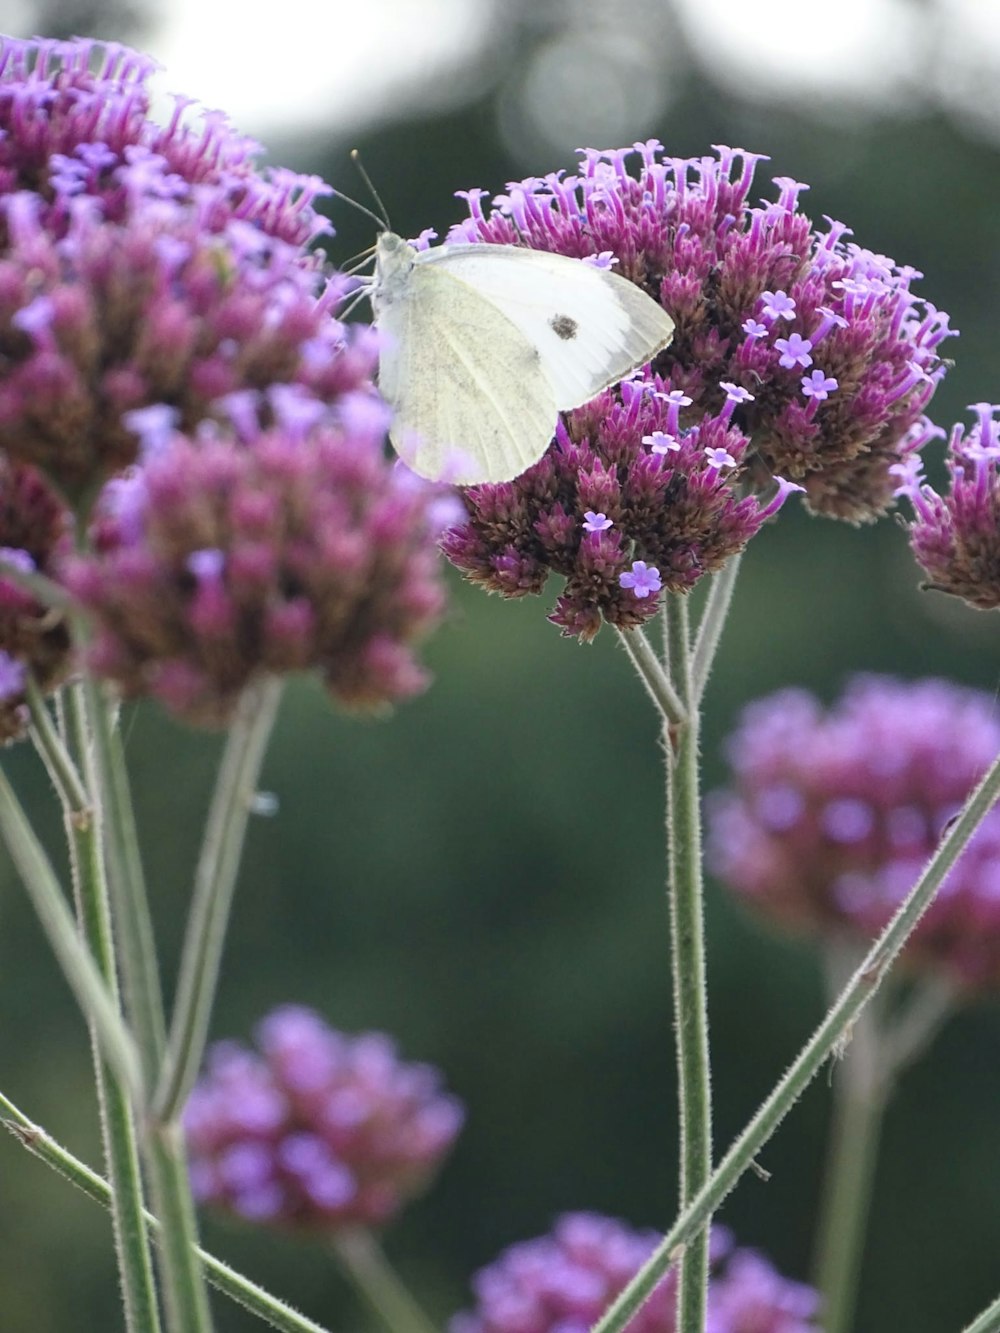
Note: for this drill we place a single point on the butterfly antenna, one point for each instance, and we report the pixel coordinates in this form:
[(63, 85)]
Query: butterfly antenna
[(356, 159), (380, 222)]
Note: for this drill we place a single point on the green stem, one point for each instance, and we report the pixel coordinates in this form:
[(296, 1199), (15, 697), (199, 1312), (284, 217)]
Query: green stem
[(82, 821), (987, 1322), (240, 1289), (182, 1279), (917, 1023), (861, 1087), (713, 619), (215, 881), (658, 684), (366, 1266), (59, 764), (880, 1048), (832, 1032), (133, 924), (688, 955), (61, 930)]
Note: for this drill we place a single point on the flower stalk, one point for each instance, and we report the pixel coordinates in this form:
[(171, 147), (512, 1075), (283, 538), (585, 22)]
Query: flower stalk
[(185, 1295), (364, 1264), (215, 881), (259, 1302), (830, 1036), (79, 969), (688, 955), (82, 821)]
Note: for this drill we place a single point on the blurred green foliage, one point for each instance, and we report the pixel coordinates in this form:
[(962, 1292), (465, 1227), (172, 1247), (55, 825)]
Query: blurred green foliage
[(482, 874)]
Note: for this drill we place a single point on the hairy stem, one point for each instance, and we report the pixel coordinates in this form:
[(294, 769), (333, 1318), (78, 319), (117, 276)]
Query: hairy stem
[(215, 881), (82, 820), (234, 1285), (78, 967), (712, 622), (182, 1279), (830, 1036), (658, 684), (687, 939)]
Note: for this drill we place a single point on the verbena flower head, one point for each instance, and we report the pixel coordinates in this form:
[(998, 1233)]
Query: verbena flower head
[(233, 555), (836, 355), (956, 536), (35, 533), (797, 356), (563, 1282), (140, 265), (832, 813), (624, 503), (315, 1129)]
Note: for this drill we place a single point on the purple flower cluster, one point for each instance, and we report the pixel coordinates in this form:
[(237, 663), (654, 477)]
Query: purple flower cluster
[(623, 504), (298, 548), (837, 356), (563, 1282), (169, 360), (832, 813), (796, 356), (138, 265), (319, 1130), (956, 537)]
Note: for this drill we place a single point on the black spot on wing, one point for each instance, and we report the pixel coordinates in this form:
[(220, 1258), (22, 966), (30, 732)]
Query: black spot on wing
[(563, 327)]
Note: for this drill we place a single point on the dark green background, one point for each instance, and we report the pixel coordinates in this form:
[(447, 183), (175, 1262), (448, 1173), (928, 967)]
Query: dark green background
[(482, 874)]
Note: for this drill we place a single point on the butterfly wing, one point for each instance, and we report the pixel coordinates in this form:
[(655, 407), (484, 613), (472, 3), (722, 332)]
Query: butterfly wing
[(470, 398), (590, 327)]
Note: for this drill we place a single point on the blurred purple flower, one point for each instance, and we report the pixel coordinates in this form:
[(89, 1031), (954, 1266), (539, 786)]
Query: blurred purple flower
[(319, 1130), (298, 550), (563, 1282), (832, 813), (143, 267)]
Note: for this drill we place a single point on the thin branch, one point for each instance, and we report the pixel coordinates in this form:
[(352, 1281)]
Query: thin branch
[(238, 1288), (215, 881), (79, 968), (713, 619), (834, 1030), (652, 675)]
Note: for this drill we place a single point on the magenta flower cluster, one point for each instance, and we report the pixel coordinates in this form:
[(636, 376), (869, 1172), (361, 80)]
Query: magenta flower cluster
[(624, 503), (316, 1129), (171, 364), (563, 1282), (797, 357), (955, 537), (832, 813), (138, 264), (297, 549), (837, 356)]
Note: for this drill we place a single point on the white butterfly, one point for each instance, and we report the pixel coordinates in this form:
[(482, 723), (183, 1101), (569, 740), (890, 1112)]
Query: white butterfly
[(485, 344)]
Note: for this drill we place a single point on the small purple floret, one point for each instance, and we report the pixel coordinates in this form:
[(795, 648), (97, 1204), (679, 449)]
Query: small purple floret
[(596, 522), (818, 385), (795, 351), (642, 579)]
